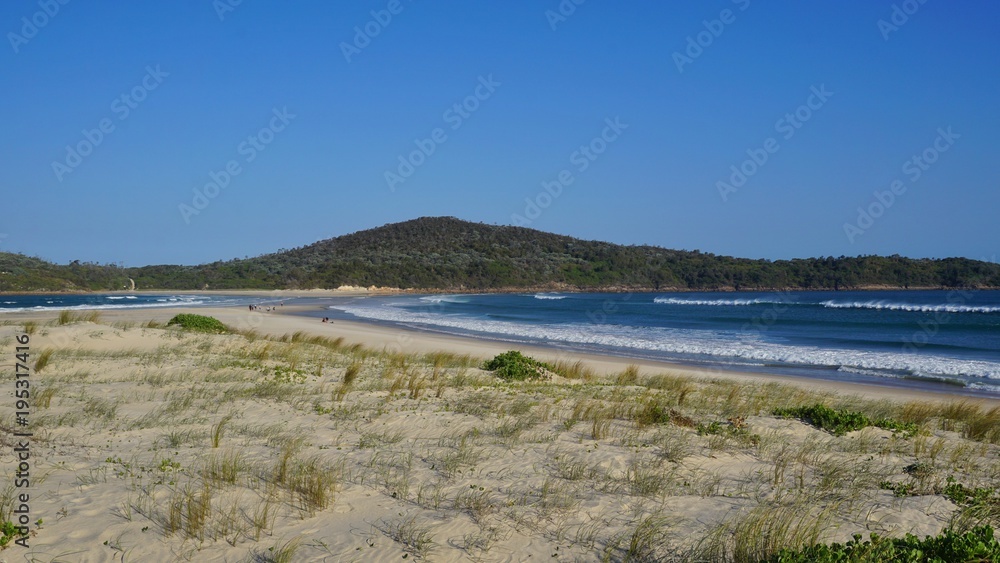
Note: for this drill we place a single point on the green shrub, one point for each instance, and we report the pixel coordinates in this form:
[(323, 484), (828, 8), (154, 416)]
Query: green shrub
[(960, 494), (976, 545), (8, 531), (840, 422), (514, 366), (199, 323)]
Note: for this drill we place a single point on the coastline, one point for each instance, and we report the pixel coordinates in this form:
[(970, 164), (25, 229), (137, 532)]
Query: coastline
[(288, 320)]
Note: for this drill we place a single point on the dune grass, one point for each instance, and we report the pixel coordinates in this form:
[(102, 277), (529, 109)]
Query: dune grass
[(43, 359), (69, 317)]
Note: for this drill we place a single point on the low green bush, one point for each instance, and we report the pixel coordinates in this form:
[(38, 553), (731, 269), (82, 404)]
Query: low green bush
[(199, 323), (977, 545), (515, 366), (962, 495), (840, 422), (8, 532)]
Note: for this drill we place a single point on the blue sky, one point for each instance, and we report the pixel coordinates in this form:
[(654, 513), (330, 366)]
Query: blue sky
[(326, 113)]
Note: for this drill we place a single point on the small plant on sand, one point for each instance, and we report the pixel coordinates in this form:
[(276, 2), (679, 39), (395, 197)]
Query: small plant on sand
[(515, 366), (199, 323), (219, 430), (8, 531), (350, 376), (43, 359), (284, 553), (630, 375), (416, 538), (652, 413)]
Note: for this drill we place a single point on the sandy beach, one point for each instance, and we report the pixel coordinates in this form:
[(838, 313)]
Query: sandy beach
[(296, 440)]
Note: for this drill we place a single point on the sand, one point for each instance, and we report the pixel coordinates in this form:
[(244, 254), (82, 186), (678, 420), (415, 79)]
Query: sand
[(159, 445)]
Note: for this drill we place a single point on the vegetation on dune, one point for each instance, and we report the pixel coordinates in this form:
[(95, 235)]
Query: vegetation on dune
[(447, 253), (199, 323), (840, 422), (515, 366), (976, 545)]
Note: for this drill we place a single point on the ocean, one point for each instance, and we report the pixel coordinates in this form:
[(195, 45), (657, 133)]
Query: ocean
[(946, 341), (100, 301)]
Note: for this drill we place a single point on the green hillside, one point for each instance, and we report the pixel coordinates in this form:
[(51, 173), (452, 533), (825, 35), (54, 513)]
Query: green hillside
[(449, 254)]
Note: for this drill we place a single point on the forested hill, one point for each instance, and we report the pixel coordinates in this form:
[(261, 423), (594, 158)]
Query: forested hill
[(449, 254)]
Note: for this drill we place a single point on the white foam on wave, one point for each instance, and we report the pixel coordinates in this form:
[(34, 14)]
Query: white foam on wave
[(984, 387), (862, 371), (173, 302), (731, 345), (549, 296), (716, 302), (912, 307), (445, 299)]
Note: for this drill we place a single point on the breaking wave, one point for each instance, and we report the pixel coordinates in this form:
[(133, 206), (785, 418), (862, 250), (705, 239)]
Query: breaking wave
[(717, 302), (677, 343), (912, 307)]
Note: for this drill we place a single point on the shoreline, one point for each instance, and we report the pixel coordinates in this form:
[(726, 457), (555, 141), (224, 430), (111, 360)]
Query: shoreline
[(289, 319), (410, 340)]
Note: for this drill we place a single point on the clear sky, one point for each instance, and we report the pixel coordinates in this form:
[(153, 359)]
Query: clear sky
[(318, 124)]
